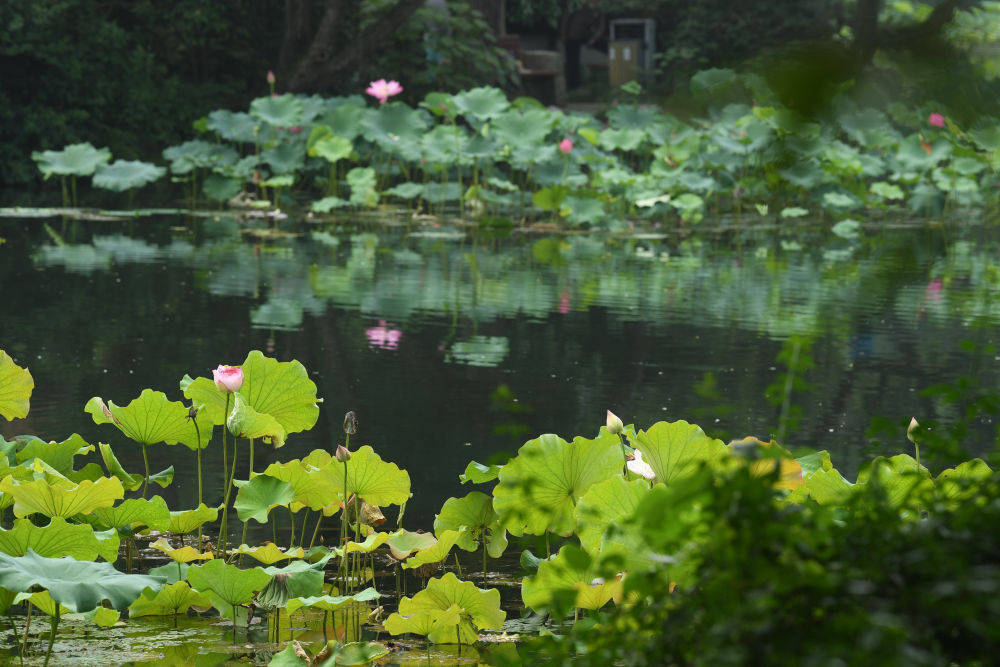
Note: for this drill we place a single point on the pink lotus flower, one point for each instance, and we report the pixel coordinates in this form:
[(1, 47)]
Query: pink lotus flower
[(936, 120), (270, 77), (383, 337), (228, 379), (383, 90), (566, 146)]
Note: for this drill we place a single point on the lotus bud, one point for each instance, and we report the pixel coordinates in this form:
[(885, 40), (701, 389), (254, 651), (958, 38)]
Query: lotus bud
[(350, 423), (270, 77), (614, 424), (342, 454), (228, 379), (911, 429), (193, 411), (935, 120), (565, 146)]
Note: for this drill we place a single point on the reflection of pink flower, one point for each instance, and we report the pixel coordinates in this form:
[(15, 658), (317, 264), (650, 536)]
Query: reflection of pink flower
[(935, 119), (564, 302), (566, 146), (382, 337), (933, 291), (383, 90)]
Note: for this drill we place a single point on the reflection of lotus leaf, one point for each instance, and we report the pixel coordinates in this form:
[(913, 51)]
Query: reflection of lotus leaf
[(487, 351)]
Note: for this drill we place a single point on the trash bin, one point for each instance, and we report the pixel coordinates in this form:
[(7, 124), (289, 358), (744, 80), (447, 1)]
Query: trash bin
[(631, 45), (623, 61)]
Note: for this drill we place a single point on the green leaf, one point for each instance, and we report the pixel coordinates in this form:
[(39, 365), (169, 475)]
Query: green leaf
[(150, 419), (331, 149), (256, 498), (58, 538), (605, 503), (481, 103), (245, 422), (480, 609), (16, 384), (355, 653), (331, 602), (900, 476), (793, 212), (61, 498), (568, 578), (425, 621), (372, 542), (229, 583), (280, 389), (825, 486), (58, 455), (282, 111), (676, 449), (362, 182), (961, 484), (210, 400), (164, 477), (539, 488), (313, 485), (887, 190), (375, 481), (73, 160), (135, 512), (269, 553), (477, 473), (436, 552), (327, 204), (403, 543), (183, 554), (221, 188), (80, 586), (475, 513), (186, 521), (173, 598), (123, 175)]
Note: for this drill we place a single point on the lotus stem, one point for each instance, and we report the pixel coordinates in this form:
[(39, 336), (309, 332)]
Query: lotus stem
[(343, 528), (274, 532), (457, 566), (225, 456), (250, 473), (548, 551), (145, 462), (223, 527), (234, 624), (197, 452), (305, 520), (27, 629), (319, 520), (52, 635), (291, 539), (484, 559)]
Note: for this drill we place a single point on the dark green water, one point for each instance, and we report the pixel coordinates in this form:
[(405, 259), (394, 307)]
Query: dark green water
[(453, 346)]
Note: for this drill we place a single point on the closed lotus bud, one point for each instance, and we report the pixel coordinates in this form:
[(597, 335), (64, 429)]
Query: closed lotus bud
[(350, 423), (342, 454), (614, 424), (228, 379), (270, 77), (914, 425)]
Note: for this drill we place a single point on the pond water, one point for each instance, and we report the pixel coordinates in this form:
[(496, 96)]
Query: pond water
[(453, 345)]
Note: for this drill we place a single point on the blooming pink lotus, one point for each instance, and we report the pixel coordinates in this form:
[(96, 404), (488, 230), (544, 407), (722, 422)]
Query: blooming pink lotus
[(383, 90), (936, 120), (383, 337), (228, 379), (566, 146)]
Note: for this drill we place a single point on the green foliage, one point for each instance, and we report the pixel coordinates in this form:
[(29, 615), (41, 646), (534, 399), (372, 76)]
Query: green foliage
[(478, 609), (15, 388)]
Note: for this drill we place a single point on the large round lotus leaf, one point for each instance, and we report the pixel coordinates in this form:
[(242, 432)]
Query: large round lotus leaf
[(331, 602), (149, 512), (42, 601), (197, 154), (405, 542), (331, 149), (59, 455), (539, 488), (566, 581), (245, 422), (631, 117), (282, 111), (256, 498), (304, 579), (375, 481), (73, 160), (911, 155), (227, 582), (425, 622), (436, 552), (78, 585), (444, 144), (525, 127), (604, 503), (61, 498), (345, 120), (270, 553), (123, 175), (676, 449), (234, 126), (368, 545), (480, 608), (185, 521), (477, 473), (280, 389), (475, 513), (312, 484), (183, 554), (173, 598), (284, 158), (152, 418), (391, 123), (362, 181), (900, 477), (825, 486), (961, 483), (58, 539), (221, 188), (16, 384), (481, 103)]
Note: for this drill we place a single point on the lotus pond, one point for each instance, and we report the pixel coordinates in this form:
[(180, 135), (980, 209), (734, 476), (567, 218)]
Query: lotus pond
[(451, 346)]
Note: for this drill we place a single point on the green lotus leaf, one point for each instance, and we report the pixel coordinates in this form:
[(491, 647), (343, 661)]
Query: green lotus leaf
[(443, 144), (100, 616), (59, 455), (481, 103), (436, 552), (391, 123), (234, 126), (270, 553), (304, 579), (90, 472), (197, 154), (675, 449), (480, 609), (164, 477), (327, 204), (605, 503), (354, 653), (331, 148), (135, 512), (123, 175), (260, 495), (900, 476), (181, 555), (280, 389), (475, 513), (221, 188), (186, 521), (59, 538), (961, 484), (289, 657), (440, 104), (825, 486), (282, 111), (312, 484), (568, 580), (173, 598), (405, 542), (375, 481), (477, 473), (73, 160), (530, 126), (362, 182), (171, 573), (284, 158), (425, 622), (368, 545), (227, 583), (331, 602), (16, 384), (210, 401), (539, 488), (150, 419), (78, 585), (405, 190), (245, 422), (115, 469), (61, 498)]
